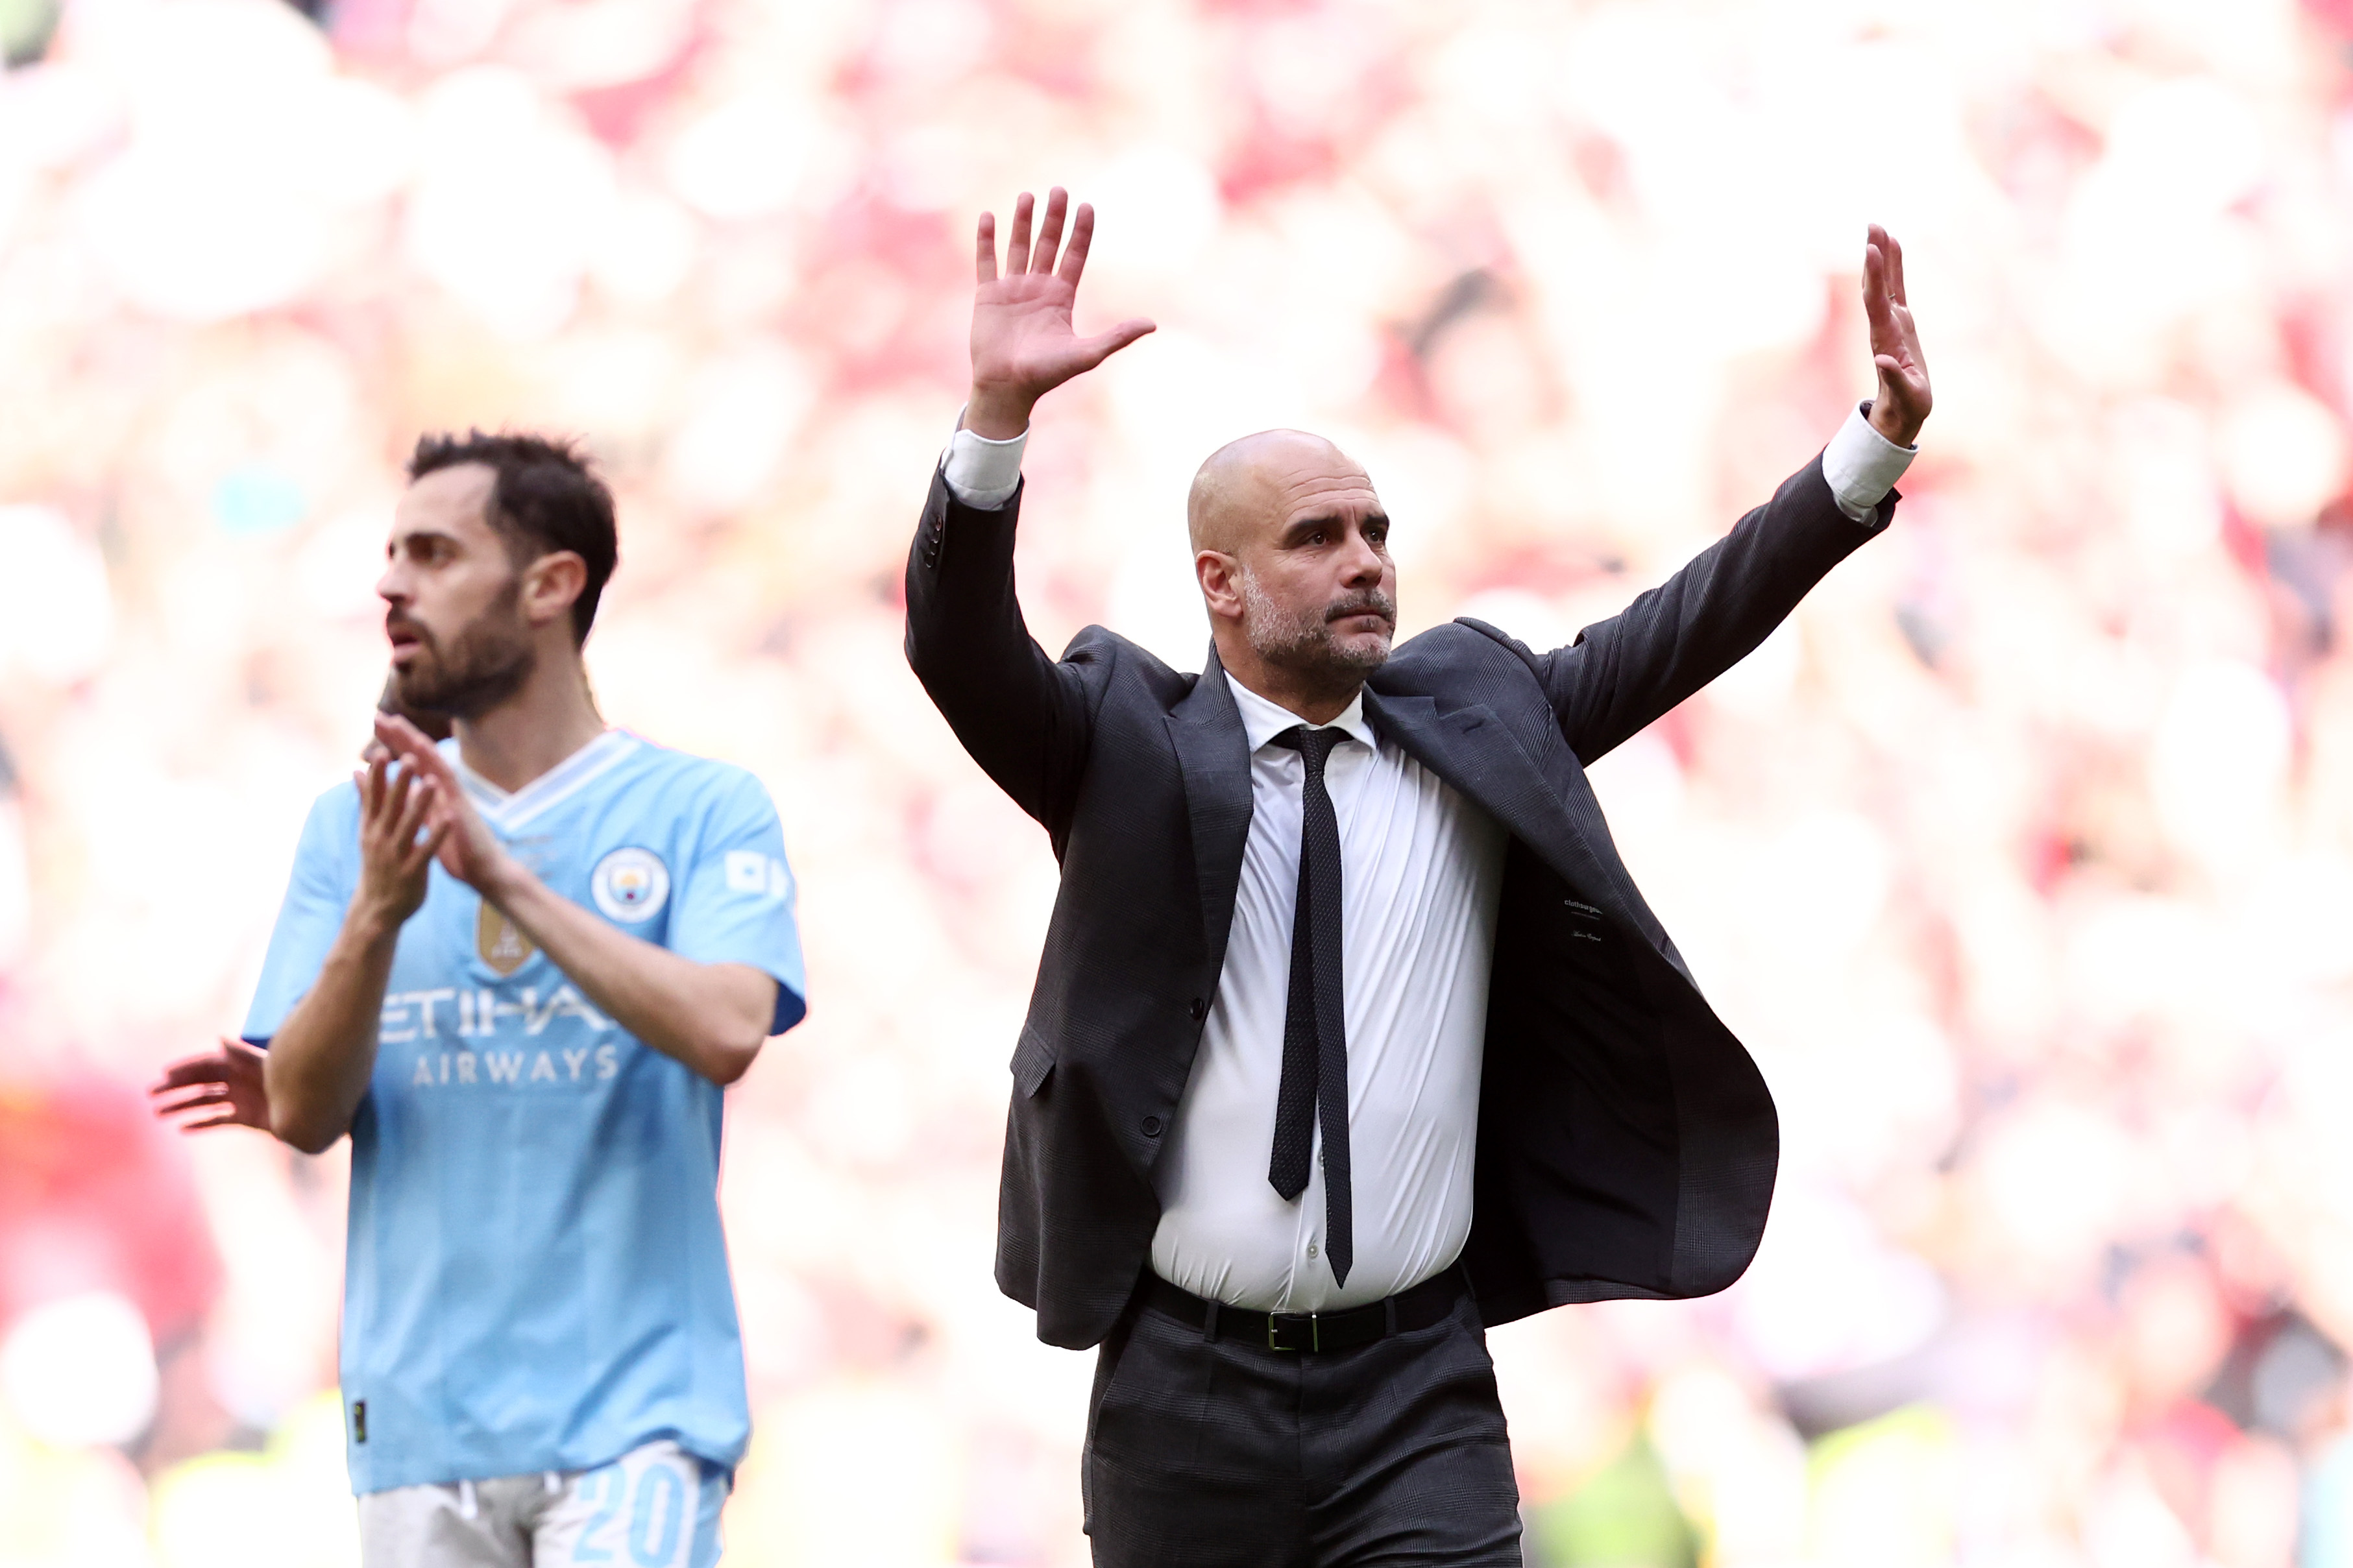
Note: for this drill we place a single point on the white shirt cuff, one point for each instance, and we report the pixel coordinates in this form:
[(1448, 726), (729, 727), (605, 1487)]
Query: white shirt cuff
[(1863, 466), (983, 473)]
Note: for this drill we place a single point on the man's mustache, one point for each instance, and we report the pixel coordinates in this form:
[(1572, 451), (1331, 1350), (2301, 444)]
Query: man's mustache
[(1375, 602)]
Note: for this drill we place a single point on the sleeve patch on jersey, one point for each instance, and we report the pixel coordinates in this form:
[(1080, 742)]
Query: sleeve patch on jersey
[(749, 871)]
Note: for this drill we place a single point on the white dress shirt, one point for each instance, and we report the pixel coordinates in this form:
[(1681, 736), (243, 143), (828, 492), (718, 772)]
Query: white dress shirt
[(1420, 874), (1421, 871)]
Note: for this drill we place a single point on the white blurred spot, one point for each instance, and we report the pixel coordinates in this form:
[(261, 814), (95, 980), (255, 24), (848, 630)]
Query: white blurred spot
[(747, 157), (81, 1371), (57, 617), (512, 201), (2283, 456), (646, 250), (2165, 477), (2302, 916), (2055, 1178), (1163, 202), (443, 31), (1823, 879), (2219, 763), (1759, 684), (1886, 1301), (742, 412), (15, 885)]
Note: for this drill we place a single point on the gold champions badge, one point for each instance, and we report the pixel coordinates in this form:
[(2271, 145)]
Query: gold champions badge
[(500, 942)]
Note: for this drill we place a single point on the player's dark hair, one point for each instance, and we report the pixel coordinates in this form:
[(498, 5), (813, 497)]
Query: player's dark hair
[(545, 498)]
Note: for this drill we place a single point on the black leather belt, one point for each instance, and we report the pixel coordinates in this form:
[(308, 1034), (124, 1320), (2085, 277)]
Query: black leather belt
[(1426, 1303)]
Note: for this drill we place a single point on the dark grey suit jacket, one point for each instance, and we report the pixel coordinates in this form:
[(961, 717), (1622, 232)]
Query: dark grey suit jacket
[(1626, 1142)]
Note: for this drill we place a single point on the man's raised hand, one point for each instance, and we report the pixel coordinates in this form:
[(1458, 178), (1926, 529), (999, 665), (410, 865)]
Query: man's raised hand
[(1023, 345), (1902, 403)]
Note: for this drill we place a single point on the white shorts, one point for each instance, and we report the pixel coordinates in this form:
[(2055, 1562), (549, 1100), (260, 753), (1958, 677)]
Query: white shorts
[(655, 1507)]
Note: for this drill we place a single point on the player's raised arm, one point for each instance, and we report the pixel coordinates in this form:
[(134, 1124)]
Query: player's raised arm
[(319, 1058)]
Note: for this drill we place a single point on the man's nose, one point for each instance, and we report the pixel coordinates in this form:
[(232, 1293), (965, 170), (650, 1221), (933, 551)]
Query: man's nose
[(1364, 562)]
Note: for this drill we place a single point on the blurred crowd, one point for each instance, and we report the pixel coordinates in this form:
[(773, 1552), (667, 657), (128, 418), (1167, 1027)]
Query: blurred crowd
[(2023, 859)]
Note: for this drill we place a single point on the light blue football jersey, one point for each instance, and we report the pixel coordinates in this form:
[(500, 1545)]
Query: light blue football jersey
[(536, 1277)]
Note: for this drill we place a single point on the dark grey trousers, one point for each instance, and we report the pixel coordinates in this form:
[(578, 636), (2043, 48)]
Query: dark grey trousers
[(1203, 1453)]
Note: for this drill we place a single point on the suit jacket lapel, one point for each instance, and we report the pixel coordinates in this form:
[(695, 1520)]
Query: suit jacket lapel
[(1469, 749), (1213, 751)]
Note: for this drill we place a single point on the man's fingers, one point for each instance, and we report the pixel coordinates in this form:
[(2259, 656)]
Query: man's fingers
[(1050, 232), (1875, 304), (404, 737), (227, 1118), (1895, 269), (430, 846), (415, 811), (1083, 234), (371, 783), (398, 796), (418, 753), (983, 267), (192, 1069), (1016, 244), (194, 1099), (1103, 345)]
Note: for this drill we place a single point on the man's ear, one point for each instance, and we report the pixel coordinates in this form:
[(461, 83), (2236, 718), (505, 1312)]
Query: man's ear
[(1220, 576), (551, 583)]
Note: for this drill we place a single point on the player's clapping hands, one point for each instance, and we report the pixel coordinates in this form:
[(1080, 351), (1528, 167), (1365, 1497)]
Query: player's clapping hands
[(470, 851), (397, 840)]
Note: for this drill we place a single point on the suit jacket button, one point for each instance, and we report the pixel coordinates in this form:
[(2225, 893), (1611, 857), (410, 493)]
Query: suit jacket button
[(1151, 1127), (1200, 1009)]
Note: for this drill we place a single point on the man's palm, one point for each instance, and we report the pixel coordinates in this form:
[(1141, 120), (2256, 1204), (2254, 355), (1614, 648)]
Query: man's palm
[(1023, 344), (1022, 335)]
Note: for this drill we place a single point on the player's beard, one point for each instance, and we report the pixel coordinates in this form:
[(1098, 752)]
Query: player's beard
[(1301, 641), (486, 663)]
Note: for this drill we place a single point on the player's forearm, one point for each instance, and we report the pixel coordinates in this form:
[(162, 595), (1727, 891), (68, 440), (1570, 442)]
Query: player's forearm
[(712, 1017), (320, 1057)]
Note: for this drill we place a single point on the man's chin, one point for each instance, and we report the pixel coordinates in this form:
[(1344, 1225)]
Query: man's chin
[(417, 691)]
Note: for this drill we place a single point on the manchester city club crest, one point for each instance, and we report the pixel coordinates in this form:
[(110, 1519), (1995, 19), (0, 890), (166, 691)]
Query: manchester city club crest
[(631, 885)]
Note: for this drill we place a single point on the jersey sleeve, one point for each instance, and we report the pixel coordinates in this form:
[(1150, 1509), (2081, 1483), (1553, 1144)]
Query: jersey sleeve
[(317, 896), (737, 905)]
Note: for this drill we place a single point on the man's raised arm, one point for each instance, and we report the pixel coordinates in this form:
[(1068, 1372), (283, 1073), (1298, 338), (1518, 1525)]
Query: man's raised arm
[(1623, 673), (1022, 716)]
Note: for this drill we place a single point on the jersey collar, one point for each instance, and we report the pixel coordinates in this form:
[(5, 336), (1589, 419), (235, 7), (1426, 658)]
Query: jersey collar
[(559, 783)]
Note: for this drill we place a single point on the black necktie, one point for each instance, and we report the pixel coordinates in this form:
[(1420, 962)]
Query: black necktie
[(1314, 1029)]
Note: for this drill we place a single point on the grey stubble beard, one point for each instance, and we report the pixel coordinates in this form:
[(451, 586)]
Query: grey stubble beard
[(1302, 644)]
